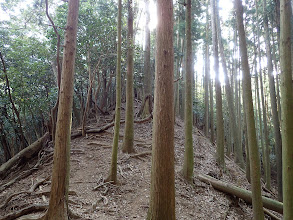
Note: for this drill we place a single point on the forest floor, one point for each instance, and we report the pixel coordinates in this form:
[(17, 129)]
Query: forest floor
[(94, 199)]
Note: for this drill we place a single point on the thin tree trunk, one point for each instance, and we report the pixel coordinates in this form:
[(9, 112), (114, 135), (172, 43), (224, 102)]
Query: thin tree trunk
[(177, 72), (259, 109), (206, 77), (287, 108), (265, 128), (4, 143), (232, 118), (188, 153), (162, 194), (147, 63), (113, 169), (276, 122), (220, 123), (89, 92), (58, 206), (54, 110), (20, 132), (127, 146), (252, 142)]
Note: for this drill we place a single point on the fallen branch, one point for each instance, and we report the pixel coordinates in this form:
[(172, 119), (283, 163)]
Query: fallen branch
[(176, 80), (25, 154), (241, 193), (25, 211), (146, 153), (107, 126), (273, 216)]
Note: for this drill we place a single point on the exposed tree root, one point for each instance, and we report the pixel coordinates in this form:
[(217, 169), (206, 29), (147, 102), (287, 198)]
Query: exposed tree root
[(37, 184), (19, 177), (26, 172), (143, 154), (4, 204), (25, 211), (25, 154), (103, 184)]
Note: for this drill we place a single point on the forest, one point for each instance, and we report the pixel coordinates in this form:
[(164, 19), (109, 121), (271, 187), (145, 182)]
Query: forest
[(153, 109)]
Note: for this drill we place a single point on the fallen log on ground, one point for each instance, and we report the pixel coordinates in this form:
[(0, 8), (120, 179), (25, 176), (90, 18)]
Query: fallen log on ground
[(241, 193), (105, 127), (26, 153)]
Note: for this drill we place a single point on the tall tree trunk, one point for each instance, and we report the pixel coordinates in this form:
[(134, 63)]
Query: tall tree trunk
[(129, 114), (252, 142), (259, 108), (266, 150), (113, 169), (188, 154), (177, 71), (232, 118), (220, 123), (4, 143), (287, 108), (162, 194), (104, 94), (54, 110), (58, 206), (20, 132), (277, 78), (147, 63), (89, 92), (206, 76), (276, 122)]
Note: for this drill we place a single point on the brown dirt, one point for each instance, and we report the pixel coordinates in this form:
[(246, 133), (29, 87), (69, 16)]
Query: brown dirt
[(90, 161)]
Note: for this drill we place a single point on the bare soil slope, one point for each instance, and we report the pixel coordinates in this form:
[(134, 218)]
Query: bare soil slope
[(93, 199)]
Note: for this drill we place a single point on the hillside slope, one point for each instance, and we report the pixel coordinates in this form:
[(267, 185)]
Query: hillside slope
[(93, 199)]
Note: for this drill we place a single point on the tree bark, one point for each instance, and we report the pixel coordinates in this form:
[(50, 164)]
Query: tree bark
[(58, 206), (188, 153), (276, 122), (232, 118), (206, 77), (89, 92), (162, 193), (127, 146), (287, 108), (252, 142), (113, 169), (266, 149), (220, 123), (5, 143), (147, 63)]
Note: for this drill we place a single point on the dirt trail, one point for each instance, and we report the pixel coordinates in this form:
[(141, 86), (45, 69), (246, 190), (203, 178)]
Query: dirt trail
[(90, 161)]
